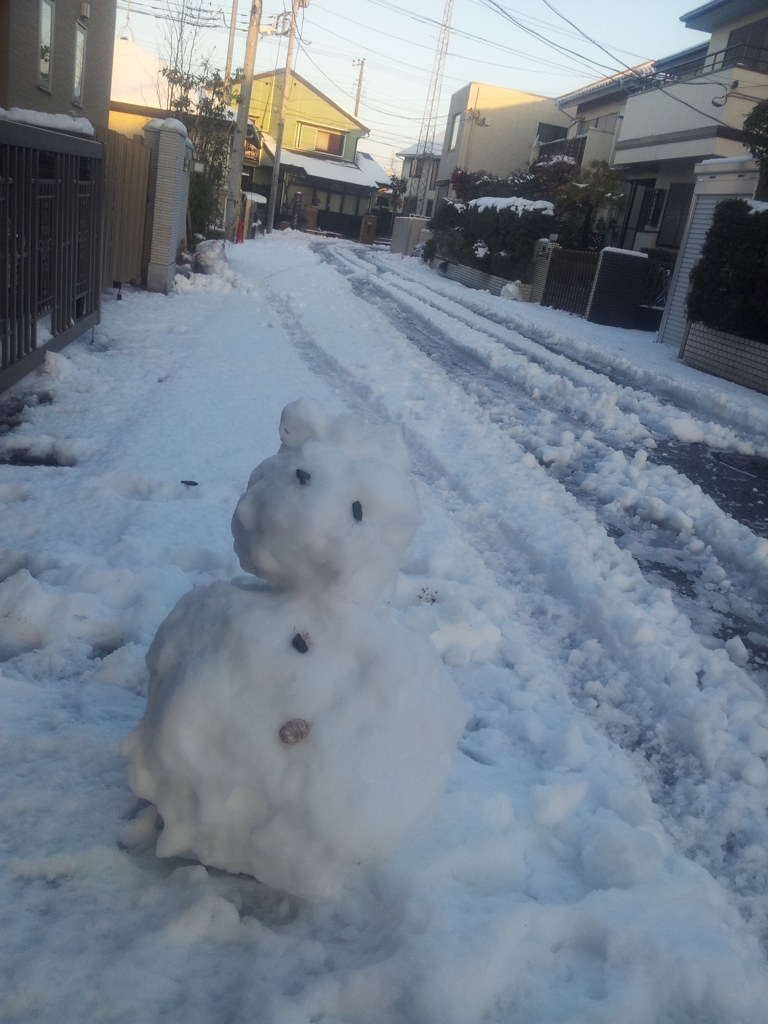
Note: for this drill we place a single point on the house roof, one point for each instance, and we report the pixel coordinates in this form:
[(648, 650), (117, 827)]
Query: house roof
[(280, 72), (614, 83), (434, 148), (710, 16), (681, 57), (363, 172)]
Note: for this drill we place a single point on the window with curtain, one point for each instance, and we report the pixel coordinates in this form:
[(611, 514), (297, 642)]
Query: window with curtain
[(77, 87), (46, 43)]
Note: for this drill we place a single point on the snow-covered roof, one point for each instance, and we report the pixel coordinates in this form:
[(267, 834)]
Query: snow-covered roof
[(434, 148), (364, 171)]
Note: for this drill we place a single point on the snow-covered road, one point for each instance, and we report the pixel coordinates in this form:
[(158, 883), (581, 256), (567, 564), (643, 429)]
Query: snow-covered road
[(654, 577), (601, 853)]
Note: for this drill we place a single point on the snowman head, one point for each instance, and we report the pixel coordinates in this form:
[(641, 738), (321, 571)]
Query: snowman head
[(332, 511)]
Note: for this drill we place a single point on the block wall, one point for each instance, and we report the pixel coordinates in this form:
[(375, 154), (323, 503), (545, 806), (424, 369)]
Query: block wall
[(728, 356)]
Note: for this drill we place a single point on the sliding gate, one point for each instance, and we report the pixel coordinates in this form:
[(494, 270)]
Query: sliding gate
[(51, 202)]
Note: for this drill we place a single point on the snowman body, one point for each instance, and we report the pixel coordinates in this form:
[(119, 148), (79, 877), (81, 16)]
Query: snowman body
[(295, 727)]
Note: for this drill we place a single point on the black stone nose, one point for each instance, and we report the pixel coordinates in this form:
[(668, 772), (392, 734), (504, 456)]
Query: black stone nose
[(300, 644), (303, 476)]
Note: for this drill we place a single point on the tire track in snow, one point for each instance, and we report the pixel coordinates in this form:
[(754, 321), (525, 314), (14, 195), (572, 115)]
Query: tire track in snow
[(694, 722), (698, 553), (629, 378)]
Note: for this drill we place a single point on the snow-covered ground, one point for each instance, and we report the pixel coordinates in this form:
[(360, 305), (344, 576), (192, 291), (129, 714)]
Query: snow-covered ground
[(601, 851)]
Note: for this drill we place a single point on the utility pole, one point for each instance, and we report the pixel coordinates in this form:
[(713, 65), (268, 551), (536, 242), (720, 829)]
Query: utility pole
[(359, 83), (281, 118), (230, 47), (234, 182)]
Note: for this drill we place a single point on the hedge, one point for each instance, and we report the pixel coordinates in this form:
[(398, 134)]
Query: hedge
[(729, 284)]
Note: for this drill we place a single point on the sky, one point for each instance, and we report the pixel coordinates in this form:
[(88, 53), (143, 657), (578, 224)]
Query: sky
[(547, 49), (599, 851)]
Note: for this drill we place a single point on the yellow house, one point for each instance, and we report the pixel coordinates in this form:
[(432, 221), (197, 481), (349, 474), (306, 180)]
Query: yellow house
[(321, 169)]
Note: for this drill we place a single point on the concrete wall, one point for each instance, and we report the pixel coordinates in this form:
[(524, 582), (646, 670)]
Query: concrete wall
[(406, 233)]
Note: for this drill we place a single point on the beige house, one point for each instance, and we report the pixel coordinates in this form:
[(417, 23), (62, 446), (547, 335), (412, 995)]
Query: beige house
[(495, 130), (320, 160), (594, 112), (420, 166), (691, 108)]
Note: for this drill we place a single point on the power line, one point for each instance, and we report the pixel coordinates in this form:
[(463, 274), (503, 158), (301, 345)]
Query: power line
[(492, 5), (662, 89)]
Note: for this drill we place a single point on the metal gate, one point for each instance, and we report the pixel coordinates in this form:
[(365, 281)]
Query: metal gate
[(51, 203), (569, 280)]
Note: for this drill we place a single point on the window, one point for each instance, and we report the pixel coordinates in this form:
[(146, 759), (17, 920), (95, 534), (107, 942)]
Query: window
[(550, 132), (46, 43), (329, 142), (77, 87), (751, 40), (675, 213), (320, 140), (454, 137), (655, 205)]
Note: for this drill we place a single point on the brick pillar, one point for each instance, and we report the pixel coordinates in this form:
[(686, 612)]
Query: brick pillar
[(170, 165)]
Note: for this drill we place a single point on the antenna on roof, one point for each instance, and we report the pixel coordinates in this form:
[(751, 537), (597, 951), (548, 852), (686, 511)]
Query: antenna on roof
[(126, 32)]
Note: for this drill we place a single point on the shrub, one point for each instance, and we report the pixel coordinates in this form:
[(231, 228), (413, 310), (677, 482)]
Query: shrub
[(430, 249), (729, 284)]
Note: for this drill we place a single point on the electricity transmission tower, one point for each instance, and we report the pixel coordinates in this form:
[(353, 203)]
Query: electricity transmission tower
[(425, 147)]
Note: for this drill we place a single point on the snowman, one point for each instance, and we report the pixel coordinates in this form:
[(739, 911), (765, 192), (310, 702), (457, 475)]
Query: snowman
[(295, 726)]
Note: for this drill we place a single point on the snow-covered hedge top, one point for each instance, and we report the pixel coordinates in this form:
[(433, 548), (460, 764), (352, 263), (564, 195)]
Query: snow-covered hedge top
[(57, 122), (515, 203)]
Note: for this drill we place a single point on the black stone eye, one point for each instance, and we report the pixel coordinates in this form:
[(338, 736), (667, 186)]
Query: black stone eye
[(357, 511), (300, 643), (303, 476)]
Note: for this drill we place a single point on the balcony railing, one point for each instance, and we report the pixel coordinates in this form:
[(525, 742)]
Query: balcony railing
[(572, 147), (753, 58)]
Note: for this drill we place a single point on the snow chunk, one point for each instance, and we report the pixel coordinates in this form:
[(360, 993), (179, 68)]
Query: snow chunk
[(618, 855), (737, 652)]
